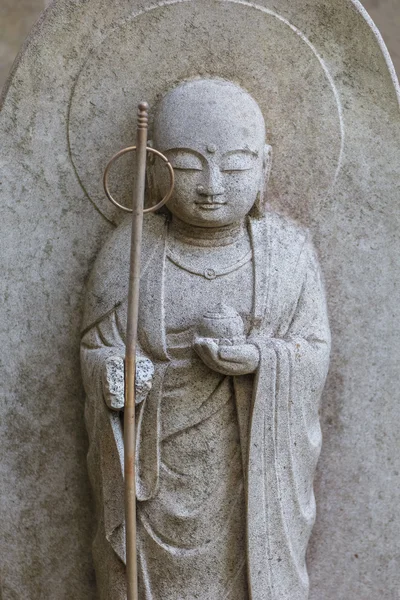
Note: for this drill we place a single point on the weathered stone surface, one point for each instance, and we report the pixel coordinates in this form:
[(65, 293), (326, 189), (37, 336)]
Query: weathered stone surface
[(51, 233), (386, 14), (16, 19), (233, 315)]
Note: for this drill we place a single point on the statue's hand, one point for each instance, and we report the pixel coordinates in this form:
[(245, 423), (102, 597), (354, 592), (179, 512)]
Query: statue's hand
[(240, 359), (113, 380)]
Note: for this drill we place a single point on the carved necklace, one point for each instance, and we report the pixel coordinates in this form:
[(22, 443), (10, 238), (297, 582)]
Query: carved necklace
[(209, 273)]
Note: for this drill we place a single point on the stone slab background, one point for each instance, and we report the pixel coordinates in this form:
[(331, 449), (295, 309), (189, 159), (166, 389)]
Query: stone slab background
[(386, 14), (46, 522), (16, 20), (18, 16)]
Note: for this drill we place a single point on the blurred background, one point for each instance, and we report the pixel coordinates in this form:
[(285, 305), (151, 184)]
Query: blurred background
[(18, 16)]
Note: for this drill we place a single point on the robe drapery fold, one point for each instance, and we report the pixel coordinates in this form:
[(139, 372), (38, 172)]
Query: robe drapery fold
[(277, 408)]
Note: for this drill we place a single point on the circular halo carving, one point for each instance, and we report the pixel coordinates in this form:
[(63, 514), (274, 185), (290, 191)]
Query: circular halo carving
[(238, 41), (133, 149)]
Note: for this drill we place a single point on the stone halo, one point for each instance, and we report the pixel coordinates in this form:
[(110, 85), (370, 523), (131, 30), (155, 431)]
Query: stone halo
[(246, 44)]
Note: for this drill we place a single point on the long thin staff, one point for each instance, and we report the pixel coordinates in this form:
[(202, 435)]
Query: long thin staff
[(131, 332), (130, 353)]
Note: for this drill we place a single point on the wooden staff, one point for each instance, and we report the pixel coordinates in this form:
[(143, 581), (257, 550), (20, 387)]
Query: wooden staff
[(130, 353), (131, 331)]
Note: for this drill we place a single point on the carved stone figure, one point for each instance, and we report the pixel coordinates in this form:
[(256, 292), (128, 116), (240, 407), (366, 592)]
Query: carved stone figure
[(235, 344)]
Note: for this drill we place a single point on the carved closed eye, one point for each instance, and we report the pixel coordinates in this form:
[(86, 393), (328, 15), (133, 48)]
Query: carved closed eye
[(185, 161), (238, 161)]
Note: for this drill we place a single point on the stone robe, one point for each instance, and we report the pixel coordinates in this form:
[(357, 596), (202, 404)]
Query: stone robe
[(277, 408)]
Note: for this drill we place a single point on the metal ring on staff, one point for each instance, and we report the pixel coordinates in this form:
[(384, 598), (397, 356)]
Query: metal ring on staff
[(133, 149)]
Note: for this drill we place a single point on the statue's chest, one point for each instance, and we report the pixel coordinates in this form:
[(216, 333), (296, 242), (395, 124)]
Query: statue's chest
[(188, 296)]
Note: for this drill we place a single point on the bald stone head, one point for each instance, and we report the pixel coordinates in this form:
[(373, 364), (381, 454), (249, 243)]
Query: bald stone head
[(213, 132)]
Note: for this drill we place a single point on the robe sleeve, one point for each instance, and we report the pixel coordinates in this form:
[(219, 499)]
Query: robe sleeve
[(285, 440), (105, 429), (102, 347), (101, 344), (102, 353)]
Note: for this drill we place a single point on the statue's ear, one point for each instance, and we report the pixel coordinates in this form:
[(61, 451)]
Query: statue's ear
[(258, 209), (150, 176), (151, 156), (267, 163)]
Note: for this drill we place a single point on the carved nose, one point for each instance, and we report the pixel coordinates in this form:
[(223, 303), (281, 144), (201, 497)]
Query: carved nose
[(202, 190), (212, 183)]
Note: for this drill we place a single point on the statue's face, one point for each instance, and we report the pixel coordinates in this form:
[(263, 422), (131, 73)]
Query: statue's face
[(214, 136)]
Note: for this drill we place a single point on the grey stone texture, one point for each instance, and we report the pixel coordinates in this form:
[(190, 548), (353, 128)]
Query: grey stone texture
[(386, 14), (330, 99), (233, 316), (16, 20)]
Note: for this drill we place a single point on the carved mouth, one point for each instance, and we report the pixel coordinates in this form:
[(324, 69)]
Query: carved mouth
[(208, 206)]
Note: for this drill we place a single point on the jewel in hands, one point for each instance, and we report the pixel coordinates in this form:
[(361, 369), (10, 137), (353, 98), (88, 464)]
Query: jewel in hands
[(221, 343)]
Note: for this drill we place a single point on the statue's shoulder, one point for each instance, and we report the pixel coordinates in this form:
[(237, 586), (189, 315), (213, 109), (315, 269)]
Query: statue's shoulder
[(108, 282), (287, 237), (115, 254), (286, 229), (120, 238)]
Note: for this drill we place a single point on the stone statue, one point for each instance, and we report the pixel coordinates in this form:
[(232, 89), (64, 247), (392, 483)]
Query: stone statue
[(235, 343)]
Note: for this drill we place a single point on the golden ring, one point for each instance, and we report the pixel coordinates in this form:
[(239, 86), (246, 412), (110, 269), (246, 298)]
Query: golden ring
[(133, 149)]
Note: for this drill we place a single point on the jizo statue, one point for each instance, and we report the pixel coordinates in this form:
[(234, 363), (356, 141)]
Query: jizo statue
[(234, 351)]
